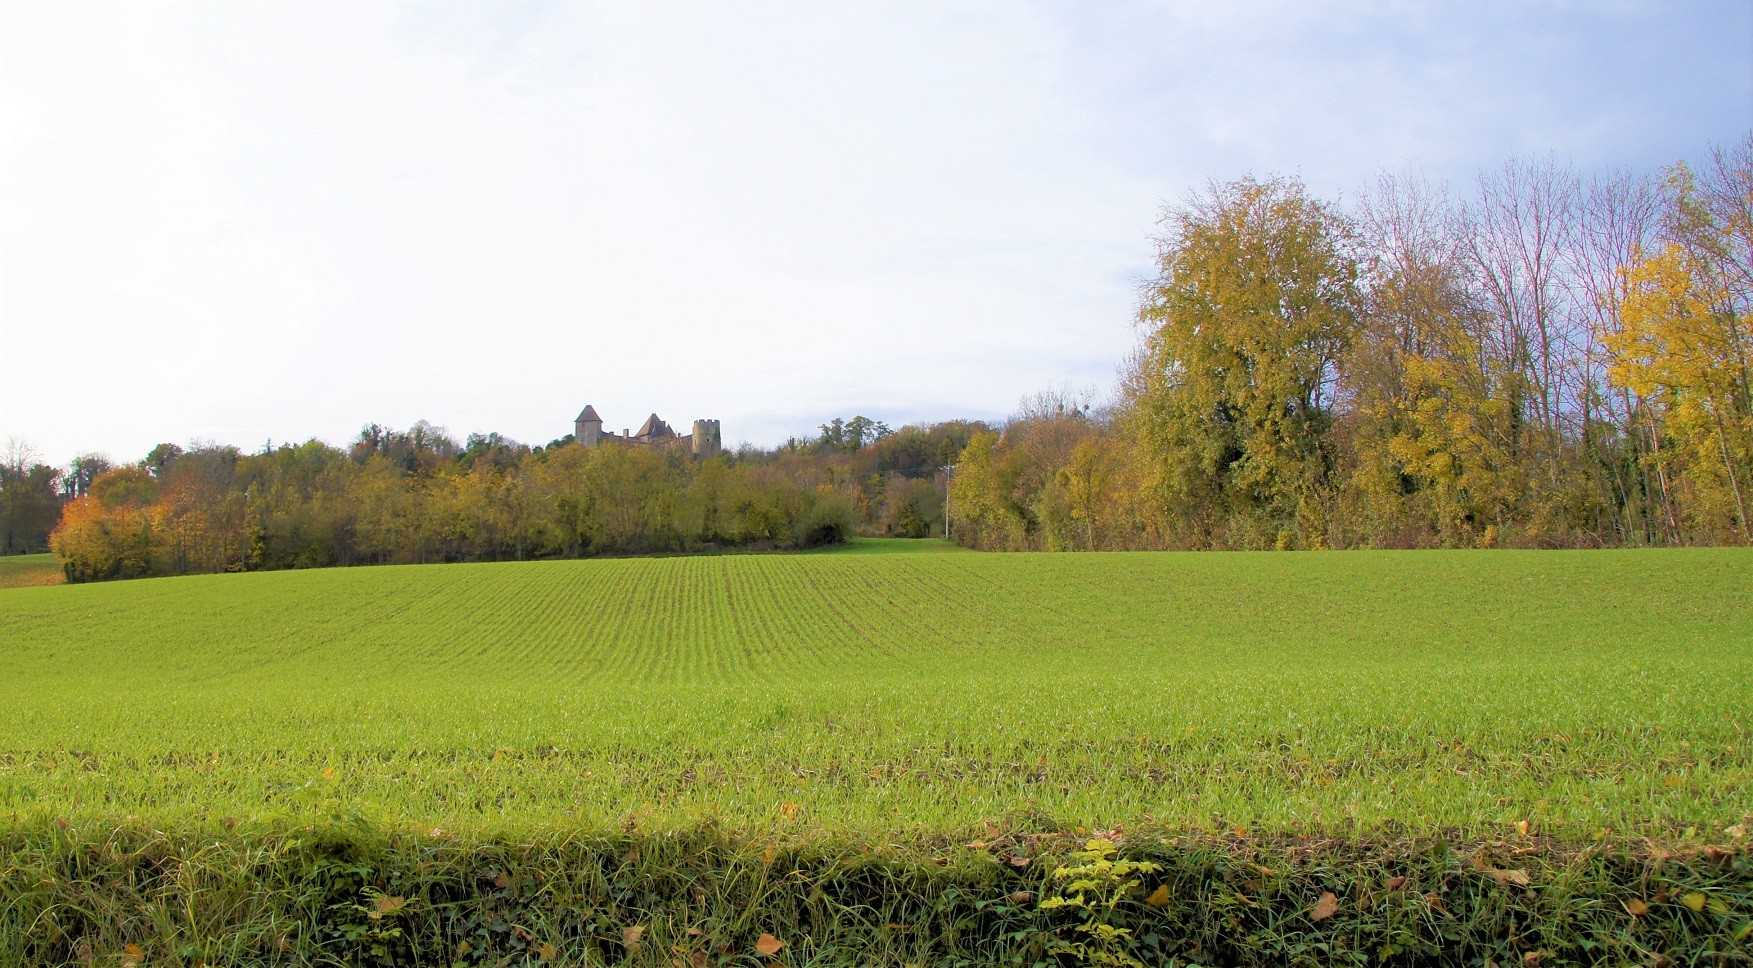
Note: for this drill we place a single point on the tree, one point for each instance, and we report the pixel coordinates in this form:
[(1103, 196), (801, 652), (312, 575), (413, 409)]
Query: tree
[(1685, 345), (1426, 435), (1255, 300), (911, 507), (160, 458), (1685, 342), (126, 487), (84, 469), (30, 500), (1619, 216)]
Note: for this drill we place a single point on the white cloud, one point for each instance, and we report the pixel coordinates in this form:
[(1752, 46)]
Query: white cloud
[(242, 222)]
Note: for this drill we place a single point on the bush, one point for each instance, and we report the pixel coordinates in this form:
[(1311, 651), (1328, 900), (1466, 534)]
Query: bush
[(828, 521)]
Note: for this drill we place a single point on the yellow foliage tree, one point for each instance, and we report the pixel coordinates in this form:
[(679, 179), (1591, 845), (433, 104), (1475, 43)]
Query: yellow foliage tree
[(1685, 347)]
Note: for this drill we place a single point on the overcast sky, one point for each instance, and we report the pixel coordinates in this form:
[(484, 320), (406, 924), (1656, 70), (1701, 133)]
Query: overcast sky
[(244, 222)]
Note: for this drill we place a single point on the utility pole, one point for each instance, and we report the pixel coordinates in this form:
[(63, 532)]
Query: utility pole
[(949, 471)]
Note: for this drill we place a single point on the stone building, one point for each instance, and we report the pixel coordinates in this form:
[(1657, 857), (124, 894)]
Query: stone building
[(703, 441)]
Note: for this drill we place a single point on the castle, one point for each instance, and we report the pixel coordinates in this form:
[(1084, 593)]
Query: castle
[(703, 442)]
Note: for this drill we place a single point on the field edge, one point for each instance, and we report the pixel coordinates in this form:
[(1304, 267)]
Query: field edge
[(351, 893)]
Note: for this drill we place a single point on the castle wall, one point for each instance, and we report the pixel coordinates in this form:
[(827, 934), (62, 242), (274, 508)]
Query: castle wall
[(703, 442)]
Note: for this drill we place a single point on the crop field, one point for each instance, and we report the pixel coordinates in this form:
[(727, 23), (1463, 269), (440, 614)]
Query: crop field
[(903, 695), (914, 703)]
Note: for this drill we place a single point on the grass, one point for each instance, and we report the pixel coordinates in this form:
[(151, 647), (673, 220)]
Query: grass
[(870, 704), (27, 571)]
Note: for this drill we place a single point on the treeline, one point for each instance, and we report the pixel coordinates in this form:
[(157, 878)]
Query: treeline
[(30, 500), (419, 496), (1554, 361)]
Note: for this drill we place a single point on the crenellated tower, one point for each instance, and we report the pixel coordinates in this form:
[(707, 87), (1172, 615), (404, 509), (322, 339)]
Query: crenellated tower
[(706, 440)]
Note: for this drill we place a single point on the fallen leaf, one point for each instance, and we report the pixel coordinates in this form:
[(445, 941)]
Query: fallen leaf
[(1515, 876), (1324, 907), (1021, 897), (1737, 831), (1522, 827), (632, 936), (328, 773), (788, 809), (547, 952), (1018, 860), (1672, 781), (133, 954), (1159, 897), (1396, 882), (1696, 900), (1636, 908), (769, 945)]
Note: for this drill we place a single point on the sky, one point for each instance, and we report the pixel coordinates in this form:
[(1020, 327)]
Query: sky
[(247, 223)]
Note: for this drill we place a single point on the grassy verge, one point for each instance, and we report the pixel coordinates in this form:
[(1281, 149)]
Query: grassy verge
[(353, 896)]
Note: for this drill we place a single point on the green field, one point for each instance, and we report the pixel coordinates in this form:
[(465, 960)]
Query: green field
[(885, 696), (880, 755), (24, 571)]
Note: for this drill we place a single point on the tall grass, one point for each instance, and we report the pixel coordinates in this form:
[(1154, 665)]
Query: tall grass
[(353, 896)]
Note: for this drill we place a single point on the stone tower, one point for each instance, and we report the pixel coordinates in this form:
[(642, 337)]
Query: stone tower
[(588, 428), (706, 439)]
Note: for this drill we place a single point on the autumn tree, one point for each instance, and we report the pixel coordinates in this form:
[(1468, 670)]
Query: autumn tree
[(1255, 301), (1427, 434), (1683, 349), (1685, 342)]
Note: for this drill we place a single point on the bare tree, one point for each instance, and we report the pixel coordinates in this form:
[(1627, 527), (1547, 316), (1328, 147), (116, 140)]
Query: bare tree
[(17, 455), (1618, 216), (1516, 236)]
